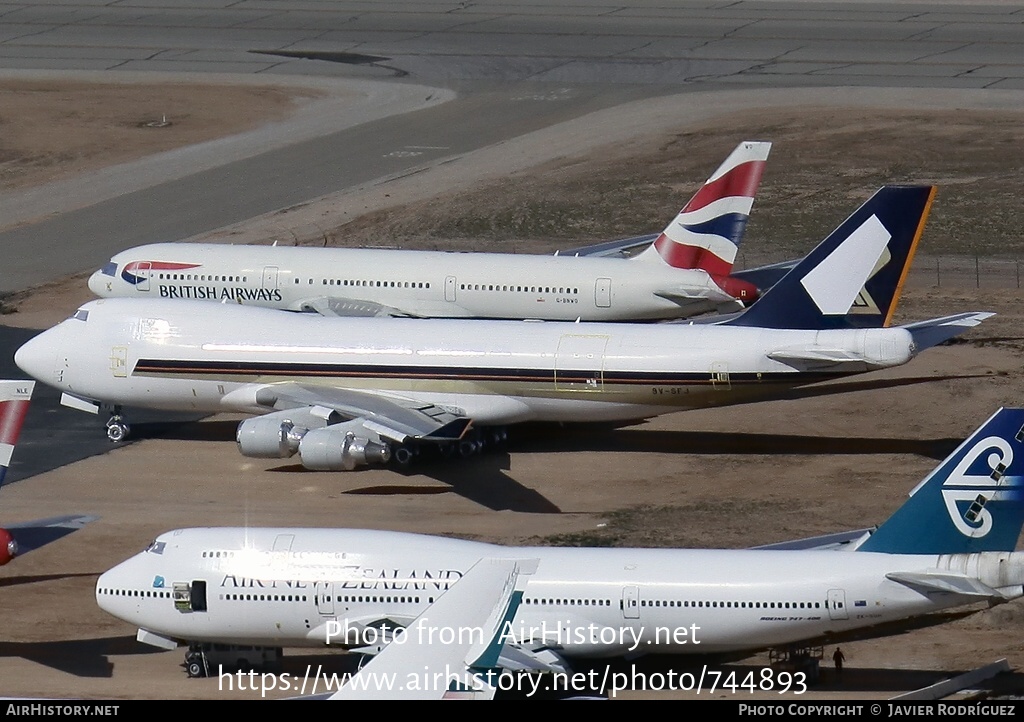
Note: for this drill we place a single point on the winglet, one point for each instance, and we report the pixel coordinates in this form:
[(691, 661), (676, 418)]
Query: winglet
[(972, 502), (14, 400), (708, 230), (853, 278), (473, 615)]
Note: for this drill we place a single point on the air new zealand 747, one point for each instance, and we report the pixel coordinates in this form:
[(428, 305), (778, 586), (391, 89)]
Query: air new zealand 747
[(950, 544)]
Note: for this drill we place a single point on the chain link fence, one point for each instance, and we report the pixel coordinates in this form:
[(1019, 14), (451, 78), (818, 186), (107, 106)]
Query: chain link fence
[(964, 271)]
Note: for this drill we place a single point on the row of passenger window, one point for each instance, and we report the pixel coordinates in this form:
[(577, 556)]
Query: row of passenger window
[(729, 605), (263, 597), (569, 602), (518, 289), (202, 277), (150, 593), (373, 284)]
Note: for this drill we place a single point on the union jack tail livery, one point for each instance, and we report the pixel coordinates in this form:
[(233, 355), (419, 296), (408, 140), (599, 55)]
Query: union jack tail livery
[(707, 232), (14, 398)]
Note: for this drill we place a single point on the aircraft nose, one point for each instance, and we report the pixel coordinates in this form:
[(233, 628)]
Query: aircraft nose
[(98, 283), (115, 589), (102, 282), (38, 357)]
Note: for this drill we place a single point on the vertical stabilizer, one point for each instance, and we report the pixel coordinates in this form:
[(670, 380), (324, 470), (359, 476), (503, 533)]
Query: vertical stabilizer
[(14, 399), (709, 228), (972, 502), (853, 278)]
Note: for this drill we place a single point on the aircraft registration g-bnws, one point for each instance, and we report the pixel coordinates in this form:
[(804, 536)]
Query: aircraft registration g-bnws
[(950, 544), (347, 392), (685, 271)]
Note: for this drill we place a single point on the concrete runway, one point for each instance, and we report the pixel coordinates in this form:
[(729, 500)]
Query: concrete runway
[(517, 67)]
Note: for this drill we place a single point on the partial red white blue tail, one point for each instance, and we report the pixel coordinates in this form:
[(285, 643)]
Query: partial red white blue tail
[(14, 399), (707, 232)]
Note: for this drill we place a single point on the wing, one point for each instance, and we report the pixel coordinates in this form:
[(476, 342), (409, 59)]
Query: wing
[(342, 429), (475, 613), (392, 417), (622, 248)]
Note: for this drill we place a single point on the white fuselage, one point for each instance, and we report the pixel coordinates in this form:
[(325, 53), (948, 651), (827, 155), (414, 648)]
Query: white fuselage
[(430, 284), (291, 587), (215, 357)]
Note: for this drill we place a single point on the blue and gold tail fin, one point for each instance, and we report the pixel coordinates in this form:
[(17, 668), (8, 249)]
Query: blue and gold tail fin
[(852, 279), (972, 502)]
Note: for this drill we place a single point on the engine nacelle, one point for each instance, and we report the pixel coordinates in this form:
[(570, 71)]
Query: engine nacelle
[(276, 435), (8, 547), (342, 447)]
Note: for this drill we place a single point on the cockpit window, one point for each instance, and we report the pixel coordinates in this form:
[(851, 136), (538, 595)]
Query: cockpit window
[(109, 269), (156, 547), (81, 315)]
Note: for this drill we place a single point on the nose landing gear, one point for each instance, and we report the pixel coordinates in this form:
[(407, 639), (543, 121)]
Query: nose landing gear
[(117, 429)]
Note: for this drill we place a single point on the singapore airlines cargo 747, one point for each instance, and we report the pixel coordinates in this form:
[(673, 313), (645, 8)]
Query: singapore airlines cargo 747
[(346, 392), (686, 271), (950, 544)]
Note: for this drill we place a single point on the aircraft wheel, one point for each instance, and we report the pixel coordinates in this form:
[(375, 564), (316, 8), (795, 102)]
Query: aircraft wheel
[(195, 669), (117, 430)]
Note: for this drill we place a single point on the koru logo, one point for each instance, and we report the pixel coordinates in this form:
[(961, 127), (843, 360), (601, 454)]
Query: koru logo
[(961, 487)]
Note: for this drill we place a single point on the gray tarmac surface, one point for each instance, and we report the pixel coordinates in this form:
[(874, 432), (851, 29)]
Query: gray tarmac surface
[(519, 66)]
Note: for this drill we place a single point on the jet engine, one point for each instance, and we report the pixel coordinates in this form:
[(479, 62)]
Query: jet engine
[(8, 547), (323, 442), (340, 448), (277, 435)]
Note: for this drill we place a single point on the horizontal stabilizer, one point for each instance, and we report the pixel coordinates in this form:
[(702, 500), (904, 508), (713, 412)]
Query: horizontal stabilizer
[(32, 535), (700, 303), (613, 249), (929, 583), (826, 542), (764, 277), (817, 356), (933, 332)]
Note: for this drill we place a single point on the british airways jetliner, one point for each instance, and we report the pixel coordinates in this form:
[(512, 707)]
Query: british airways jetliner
[(684, 272), (950, 544)]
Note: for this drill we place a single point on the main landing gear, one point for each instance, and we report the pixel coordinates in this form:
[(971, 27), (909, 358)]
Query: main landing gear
[(117, 429), (476, 441)]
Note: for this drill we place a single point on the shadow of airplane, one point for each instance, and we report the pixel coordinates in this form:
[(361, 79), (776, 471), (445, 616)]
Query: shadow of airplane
[(17, 581), (80, 657), (485, 479)]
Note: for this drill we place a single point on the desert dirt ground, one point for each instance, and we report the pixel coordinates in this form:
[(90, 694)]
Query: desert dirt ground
[(730, 477)]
